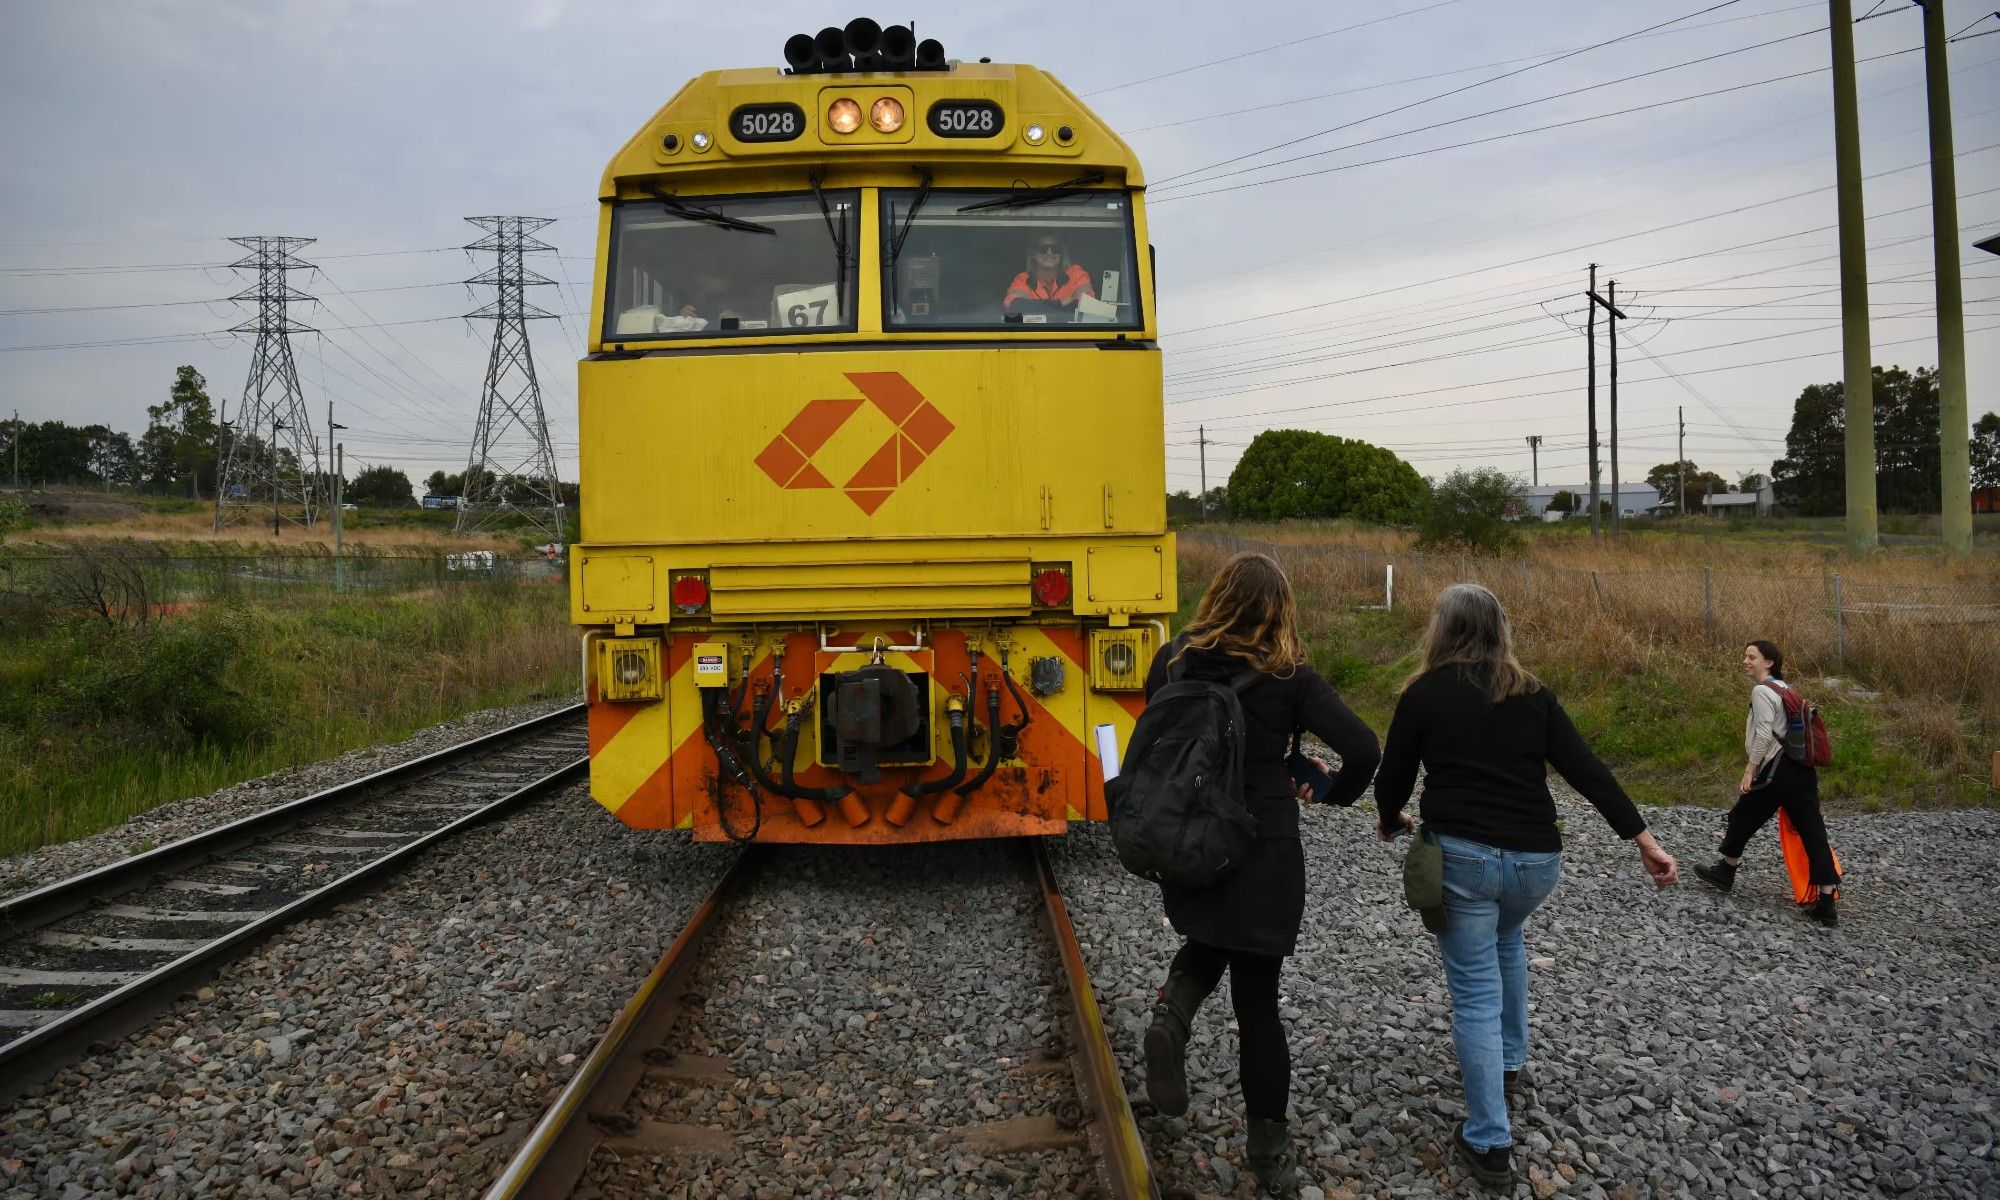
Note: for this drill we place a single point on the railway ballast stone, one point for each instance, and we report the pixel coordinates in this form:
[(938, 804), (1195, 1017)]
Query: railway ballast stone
[(400, 1046), (1684, 1043)]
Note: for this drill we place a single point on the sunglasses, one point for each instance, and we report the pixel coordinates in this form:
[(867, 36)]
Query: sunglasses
[(1048, 248)]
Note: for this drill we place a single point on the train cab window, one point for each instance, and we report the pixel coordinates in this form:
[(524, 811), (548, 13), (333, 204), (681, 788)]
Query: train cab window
[(728, 266), (1010, 261)]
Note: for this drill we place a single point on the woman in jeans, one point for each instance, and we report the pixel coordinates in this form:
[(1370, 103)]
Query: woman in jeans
[(1483, 728), (1249, 922)]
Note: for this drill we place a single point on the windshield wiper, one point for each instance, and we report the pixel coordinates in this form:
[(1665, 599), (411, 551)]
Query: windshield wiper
[(1028, 197), (677, 207), (836, 231), (903, 235)]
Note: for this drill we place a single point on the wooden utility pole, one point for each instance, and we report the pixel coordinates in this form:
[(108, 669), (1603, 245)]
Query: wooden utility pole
[(1614, 315), (1590, 338), (1681, 456), (1535, 457), (1201, 504), (1955, 473), (1856, 368)]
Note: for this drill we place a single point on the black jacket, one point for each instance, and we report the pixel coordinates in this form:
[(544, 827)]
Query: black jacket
[(1275, 707), (1484, 773)]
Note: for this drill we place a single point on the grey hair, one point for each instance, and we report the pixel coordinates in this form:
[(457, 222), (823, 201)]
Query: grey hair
[(1469, 629)]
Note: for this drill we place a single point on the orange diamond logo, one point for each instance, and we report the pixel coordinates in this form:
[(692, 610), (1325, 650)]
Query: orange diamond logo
[(919, 429)]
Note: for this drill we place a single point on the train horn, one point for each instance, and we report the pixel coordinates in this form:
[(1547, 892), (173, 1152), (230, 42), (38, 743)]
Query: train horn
[(930, 55), (861, 36), (832, 44), (801, 53), (898, 48)]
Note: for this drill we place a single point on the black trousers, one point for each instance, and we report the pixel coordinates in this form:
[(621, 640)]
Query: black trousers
[(1795, 789), (1265, 1065)]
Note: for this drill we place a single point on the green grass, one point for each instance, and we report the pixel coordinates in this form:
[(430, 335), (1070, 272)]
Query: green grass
[(98, 723)]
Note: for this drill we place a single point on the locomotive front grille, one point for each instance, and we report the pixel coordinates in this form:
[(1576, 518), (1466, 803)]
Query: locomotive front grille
[(938, 587)]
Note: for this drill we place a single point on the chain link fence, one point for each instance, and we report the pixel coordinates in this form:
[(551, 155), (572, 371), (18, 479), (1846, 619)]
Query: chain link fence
[(136, 579)]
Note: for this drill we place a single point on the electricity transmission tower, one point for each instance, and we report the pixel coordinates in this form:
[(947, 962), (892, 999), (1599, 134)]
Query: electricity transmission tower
[(512, 468), (272, 459)]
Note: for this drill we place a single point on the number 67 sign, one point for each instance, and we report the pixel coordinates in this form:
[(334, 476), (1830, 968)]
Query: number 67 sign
[(806, 306)]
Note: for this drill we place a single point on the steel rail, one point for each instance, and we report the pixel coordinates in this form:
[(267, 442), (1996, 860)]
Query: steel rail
[(118, 1011), (557, 1151), (32, 910), (1123, 1150)]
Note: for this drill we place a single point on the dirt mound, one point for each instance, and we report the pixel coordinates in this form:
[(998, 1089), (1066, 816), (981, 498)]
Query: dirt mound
[(64, 507)]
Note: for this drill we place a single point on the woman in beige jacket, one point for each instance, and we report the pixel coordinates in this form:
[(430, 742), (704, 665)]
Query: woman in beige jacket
[(1772, 780)]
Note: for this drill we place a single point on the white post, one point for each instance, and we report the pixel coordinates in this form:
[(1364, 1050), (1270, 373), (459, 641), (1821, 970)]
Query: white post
[(1389, 587)]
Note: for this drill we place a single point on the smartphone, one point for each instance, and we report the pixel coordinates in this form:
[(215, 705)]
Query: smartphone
[(1310, 773)]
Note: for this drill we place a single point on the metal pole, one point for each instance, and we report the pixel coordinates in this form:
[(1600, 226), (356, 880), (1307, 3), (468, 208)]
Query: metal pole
[(1857, 370), (339, 479), (1535, 457), (1617, 498), (1590, 424), (1839, 624), (17, 449), (1955, 469)]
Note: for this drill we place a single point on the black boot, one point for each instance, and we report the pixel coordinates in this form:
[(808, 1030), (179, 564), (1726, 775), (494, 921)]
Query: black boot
[(1721, 876), (1166, 1044), (1494, 1168), (1270, 1158), (1822, 910)]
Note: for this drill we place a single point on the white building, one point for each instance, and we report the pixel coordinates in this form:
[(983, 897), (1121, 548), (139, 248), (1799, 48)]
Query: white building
[(1745, 504), (1636, 497)]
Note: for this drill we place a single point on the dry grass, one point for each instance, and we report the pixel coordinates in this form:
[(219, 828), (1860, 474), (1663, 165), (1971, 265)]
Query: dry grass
[(1643, 646), (73, 517)]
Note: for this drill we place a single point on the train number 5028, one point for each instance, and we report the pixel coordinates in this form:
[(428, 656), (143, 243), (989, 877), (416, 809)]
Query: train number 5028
[(767, 122), (966, 118)]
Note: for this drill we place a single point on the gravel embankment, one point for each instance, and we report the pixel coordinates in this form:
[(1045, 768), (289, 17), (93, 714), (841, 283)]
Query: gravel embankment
[(1685, 1044), (870, 1005), (185, 818), (400, 1046)]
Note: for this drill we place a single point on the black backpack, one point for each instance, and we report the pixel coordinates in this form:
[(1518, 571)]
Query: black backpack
[(1177, 814)]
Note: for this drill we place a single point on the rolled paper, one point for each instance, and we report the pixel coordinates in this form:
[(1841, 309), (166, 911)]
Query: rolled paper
[(1107, 751)]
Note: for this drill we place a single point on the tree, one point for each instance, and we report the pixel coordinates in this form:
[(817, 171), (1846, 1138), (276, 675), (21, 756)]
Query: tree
[(181, 442), (381, 485), (1299, 473), (1812, 477), (1667, 479), (1565, 502), (1469, 509), (1753, 482), (1985, 451), (440, 484)]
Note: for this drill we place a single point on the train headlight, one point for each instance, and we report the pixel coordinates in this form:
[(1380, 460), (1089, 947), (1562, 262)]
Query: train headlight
[(1120, 658), (886, 115), (630, 668), (701, 140), (1034, 134), (843, 115)]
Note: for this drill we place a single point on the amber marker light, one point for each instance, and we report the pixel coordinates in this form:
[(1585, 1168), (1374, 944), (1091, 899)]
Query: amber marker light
[(886, 115), (843, 115)]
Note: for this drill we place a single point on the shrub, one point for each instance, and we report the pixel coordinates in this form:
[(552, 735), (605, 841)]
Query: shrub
[(173, 678), (1468, 511)]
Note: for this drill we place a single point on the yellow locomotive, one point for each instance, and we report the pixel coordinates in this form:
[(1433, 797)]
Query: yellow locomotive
[(873, 516)]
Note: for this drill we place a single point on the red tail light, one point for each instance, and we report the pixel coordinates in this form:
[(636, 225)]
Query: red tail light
[(1051, 586), (690, 594)]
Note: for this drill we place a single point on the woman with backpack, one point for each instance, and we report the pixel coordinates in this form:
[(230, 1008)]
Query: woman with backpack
[(1485, 731), (1773, 780), (1245, 634)]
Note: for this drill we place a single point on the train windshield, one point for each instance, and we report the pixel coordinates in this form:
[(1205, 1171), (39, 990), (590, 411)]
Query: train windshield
[(959, 259), (723, 266)]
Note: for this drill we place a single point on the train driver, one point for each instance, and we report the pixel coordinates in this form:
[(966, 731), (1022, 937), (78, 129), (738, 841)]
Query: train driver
[(1050, 276)]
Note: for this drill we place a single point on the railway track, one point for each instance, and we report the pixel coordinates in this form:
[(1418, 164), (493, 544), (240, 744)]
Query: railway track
[(746, 1051), (93, 956)]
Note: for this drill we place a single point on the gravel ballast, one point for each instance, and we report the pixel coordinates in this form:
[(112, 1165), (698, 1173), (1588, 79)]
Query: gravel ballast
[(1684, 1043), (401, 1046), (185, 818)]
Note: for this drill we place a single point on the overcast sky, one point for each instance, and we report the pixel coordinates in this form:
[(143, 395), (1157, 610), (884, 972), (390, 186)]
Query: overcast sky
[(1419, 303)]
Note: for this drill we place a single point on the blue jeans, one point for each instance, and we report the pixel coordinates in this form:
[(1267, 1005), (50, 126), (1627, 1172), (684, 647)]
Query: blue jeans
[(1488, 894)]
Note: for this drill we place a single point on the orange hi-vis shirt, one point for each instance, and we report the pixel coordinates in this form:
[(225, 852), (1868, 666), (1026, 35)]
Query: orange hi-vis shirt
[(1075, 283)]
